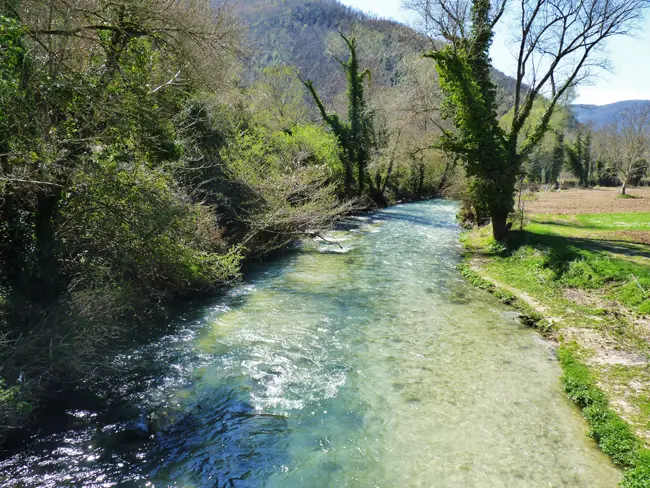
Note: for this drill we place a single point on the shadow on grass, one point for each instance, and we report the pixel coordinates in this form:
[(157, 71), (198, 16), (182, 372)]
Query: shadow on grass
[(570, 247), (561, 251)]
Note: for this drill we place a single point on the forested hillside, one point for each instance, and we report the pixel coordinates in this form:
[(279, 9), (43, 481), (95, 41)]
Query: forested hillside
[(303, 33), (601, 116)]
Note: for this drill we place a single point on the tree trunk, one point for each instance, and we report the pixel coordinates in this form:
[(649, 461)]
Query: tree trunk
[(44, 287), (624, 187), (11, 254), (420, 180), (449, 168), (376, 191), (362, 176), (499, 224), (349, 179)]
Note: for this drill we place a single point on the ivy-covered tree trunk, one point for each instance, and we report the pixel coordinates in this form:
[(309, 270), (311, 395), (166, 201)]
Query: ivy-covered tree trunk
[(360, 124), (470, 102), (554, 46), (354, 135)]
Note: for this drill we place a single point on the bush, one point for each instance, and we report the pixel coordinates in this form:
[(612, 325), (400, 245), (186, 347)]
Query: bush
[(293, 180), (130, 225), (636, 477)]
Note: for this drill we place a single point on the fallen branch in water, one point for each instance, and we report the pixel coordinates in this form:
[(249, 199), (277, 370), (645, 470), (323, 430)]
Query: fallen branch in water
[(316, 234)]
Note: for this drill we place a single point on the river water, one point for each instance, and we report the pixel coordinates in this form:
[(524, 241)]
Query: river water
[(363, 362)]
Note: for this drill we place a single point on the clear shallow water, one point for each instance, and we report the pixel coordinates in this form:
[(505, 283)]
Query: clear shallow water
[(374, 365)]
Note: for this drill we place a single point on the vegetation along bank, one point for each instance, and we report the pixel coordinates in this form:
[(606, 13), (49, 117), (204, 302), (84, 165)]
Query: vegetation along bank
[(583, 279), (145, 154)]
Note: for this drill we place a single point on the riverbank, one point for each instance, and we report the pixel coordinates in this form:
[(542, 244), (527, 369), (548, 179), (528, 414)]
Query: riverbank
[(583, 280)]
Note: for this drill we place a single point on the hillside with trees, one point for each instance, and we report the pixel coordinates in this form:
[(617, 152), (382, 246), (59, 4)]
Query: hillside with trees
[(304, 34), (601, 116)]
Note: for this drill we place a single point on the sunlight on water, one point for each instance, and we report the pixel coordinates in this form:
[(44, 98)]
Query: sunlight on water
[(359, 361)]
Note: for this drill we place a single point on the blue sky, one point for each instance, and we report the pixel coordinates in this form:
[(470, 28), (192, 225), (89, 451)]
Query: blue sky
[(630, 59)]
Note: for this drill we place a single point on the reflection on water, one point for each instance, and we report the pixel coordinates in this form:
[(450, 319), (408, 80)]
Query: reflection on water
[(363, 361)]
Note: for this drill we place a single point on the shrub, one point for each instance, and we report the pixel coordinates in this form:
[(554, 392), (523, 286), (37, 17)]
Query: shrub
[(293, 180)]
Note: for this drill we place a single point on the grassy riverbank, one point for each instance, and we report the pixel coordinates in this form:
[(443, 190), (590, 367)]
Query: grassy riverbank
[(584, 280)]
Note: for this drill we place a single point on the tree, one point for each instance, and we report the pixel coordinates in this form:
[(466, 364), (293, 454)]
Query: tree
[(557, 160), (278, 98), (83, 76), (95, 230), (579, 158), (354, 135), (626, 144), (556, 47)]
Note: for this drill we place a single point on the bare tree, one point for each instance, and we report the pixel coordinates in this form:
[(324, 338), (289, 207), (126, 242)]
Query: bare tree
[(556, 45), (198, 38), (625, 145), (278, 97)]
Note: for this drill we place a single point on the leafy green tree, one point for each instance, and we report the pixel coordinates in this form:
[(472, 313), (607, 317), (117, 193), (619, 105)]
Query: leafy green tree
[(96, 226)]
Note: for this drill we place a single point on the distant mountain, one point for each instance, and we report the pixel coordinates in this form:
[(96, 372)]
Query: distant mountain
[(303, 33), (599, 116)]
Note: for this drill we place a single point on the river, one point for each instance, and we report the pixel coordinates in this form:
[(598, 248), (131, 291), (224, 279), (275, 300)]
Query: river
[(365, 361)]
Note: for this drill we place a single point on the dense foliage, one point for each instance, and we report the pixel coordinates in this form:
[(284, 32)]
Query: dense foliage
[(126, 184), (137, 167)]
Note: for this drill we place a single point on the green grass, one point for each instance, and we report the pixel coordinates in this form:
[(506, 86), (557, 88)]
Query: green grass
[(612, 433), (562, 255), (528, 315), (604, 221), (616, 221)]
